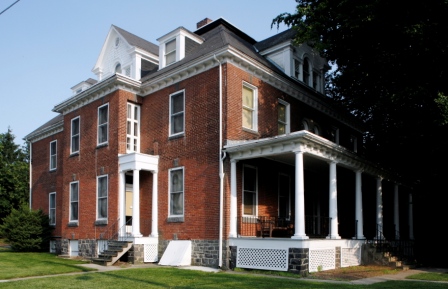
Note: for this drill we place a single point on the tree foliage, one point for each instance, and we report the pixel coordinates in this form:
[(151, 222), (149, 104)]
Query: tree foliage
[(27, 230), (14, 174), (391, 70)]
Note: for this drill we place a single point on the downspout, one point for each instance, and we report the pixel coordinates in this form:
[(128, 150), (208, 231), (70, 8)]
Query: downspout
[(221, 166)]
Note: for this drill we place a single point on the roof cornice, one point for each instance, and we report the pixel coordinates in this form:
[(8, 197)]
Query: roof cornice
[(45, 132), (102, 88)]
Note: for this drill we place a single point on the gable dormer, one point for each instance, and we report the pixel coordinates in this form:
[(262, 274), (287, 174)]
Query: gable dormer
[(83, 85), (297, 61), (175, 45), (127, 54)]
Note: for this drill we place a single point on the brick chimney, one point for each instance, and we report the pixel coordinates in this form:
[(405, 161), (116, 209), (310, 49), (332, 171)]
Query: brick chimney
[(203, 22)]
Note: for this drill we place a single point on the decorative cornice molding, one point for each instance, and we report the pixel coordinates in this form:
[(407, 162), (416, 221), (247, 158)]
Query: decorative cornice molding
[(305, 142), (102, 88), (45, 132)]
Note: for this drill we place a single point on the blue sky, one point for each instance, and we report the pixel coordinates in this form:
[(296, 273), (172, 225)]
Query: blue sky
[(48, 46)]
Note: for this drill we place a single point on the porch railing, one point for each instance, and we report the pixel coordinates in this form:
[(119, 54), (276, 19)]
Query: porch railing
[(403, 249), (269, 226)]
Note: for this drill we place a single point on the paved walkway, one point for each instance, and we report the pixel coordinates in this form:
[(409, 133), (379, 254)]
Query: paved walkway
[(401, 276)]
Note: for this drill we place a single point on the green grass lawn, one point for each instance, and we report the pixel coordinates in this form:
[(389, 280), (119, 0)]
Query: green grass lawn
[(17, 265), (177, 278), (431, 276)]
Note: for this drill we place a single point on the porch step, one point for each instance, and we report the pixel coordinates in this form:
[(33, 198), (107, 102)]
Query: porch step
[(115, 250)]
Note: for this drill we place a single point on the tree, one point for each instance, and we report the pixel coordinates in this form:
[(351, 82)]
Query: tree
[(27, 230), (14, 174), (391, 70)]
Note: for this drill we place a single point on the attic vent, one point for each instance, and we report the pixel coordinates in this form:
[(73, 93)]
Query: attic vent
[(203, 22)]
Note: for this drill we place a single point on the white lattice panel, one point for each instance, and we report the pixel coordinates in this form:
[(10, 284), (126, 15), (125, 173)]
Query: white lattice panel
[(150, 252), (322, 259), (267, 259), (350, 257)]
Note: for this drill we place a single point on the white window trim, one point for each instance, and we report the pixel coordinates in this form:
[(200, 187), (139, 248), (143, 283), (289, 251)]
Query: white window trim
[(49, 207), (256, 191), (171, 115), (98, 199), (132, 136), (79, 135), (70, 203), (175, 51), (287, 115), (104, 124), (55, 165), (254, 109), (169, 192)]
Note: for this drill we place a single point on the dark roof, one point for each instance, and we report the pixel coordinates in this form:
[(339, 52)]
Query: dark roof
[(48, 124), (134, 40), (276, 39), (219, 34)]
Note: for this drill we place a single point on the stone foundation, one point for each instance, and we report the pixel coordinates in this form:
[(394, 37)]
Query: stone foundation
[(298, 261)]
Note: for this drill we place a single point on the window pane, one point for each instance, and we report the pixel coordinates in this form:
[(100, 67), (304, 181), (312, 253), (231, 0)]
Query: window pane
[(281, 128), (249, 203), (135, 129), (135, 113), (170, 58), (281, 112), (74, 212), (102, 136), (170, 45), (177, 103), (177, 124), (102, 187), (75, 126), (177, 204), (129, 111), (102, 208), (247, 118), (249, 179), (102, 117), (248, 97)]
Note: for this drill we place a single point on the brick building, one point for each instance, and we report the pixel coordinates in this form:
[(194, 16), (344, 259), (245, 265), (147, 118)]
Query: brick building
[(215, 143)]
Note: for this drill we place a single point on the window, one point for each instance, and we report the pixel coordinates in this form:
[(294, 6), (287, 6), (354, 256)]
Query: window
[(315, 80), (177, 113), (74, 146), (250, 191), (176, 192), (250, 106), (316, 129), (305, 125), (170, 52), (118, 68), (52, 208), (103, 124), (306, 71), (74, 201), (133, 128), (102, 193), (354, 141), (296, 68), (335, 135), (283, 117), (53, 155)]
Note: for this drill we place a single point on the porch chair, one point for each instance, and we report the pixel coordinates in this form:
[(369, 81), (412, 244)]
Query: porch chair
[(266, 225)]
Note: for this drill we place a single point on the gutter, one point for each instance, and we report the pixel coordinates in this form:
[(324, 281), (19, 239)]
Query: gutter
[(221, 167)]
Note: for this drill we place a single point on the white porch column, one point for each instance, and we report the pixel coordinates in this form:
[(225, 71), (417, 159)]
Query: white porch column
[(396, 213), (233, 198), (359, 211), (122, 203), (411, 219), (333, 203), (379, 208), (155, 206), (136, 204), (299, 221)]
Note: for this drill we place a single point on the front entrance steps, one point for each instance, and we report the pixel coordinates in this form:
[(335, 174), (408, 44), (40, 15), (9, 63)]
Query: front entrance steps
[(383, 257), (113, 253)]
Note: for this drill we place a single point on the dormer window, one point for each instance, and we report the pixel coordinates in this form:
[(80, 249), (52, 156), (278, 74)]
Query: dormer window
[(175, 45), (170, 51)]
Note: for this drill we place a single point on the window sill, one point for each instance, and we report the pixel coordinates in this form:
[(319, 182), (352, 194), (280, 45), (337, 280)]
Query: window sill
[(102, 145), (52, 170), (74, 154), (175, 219), (73, 224), (176, 136), (101, 222), (250, 131)]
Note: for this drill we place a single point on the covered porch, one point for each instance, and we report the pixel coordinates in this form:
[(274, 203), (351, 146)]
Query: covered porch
[(307, 192)]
